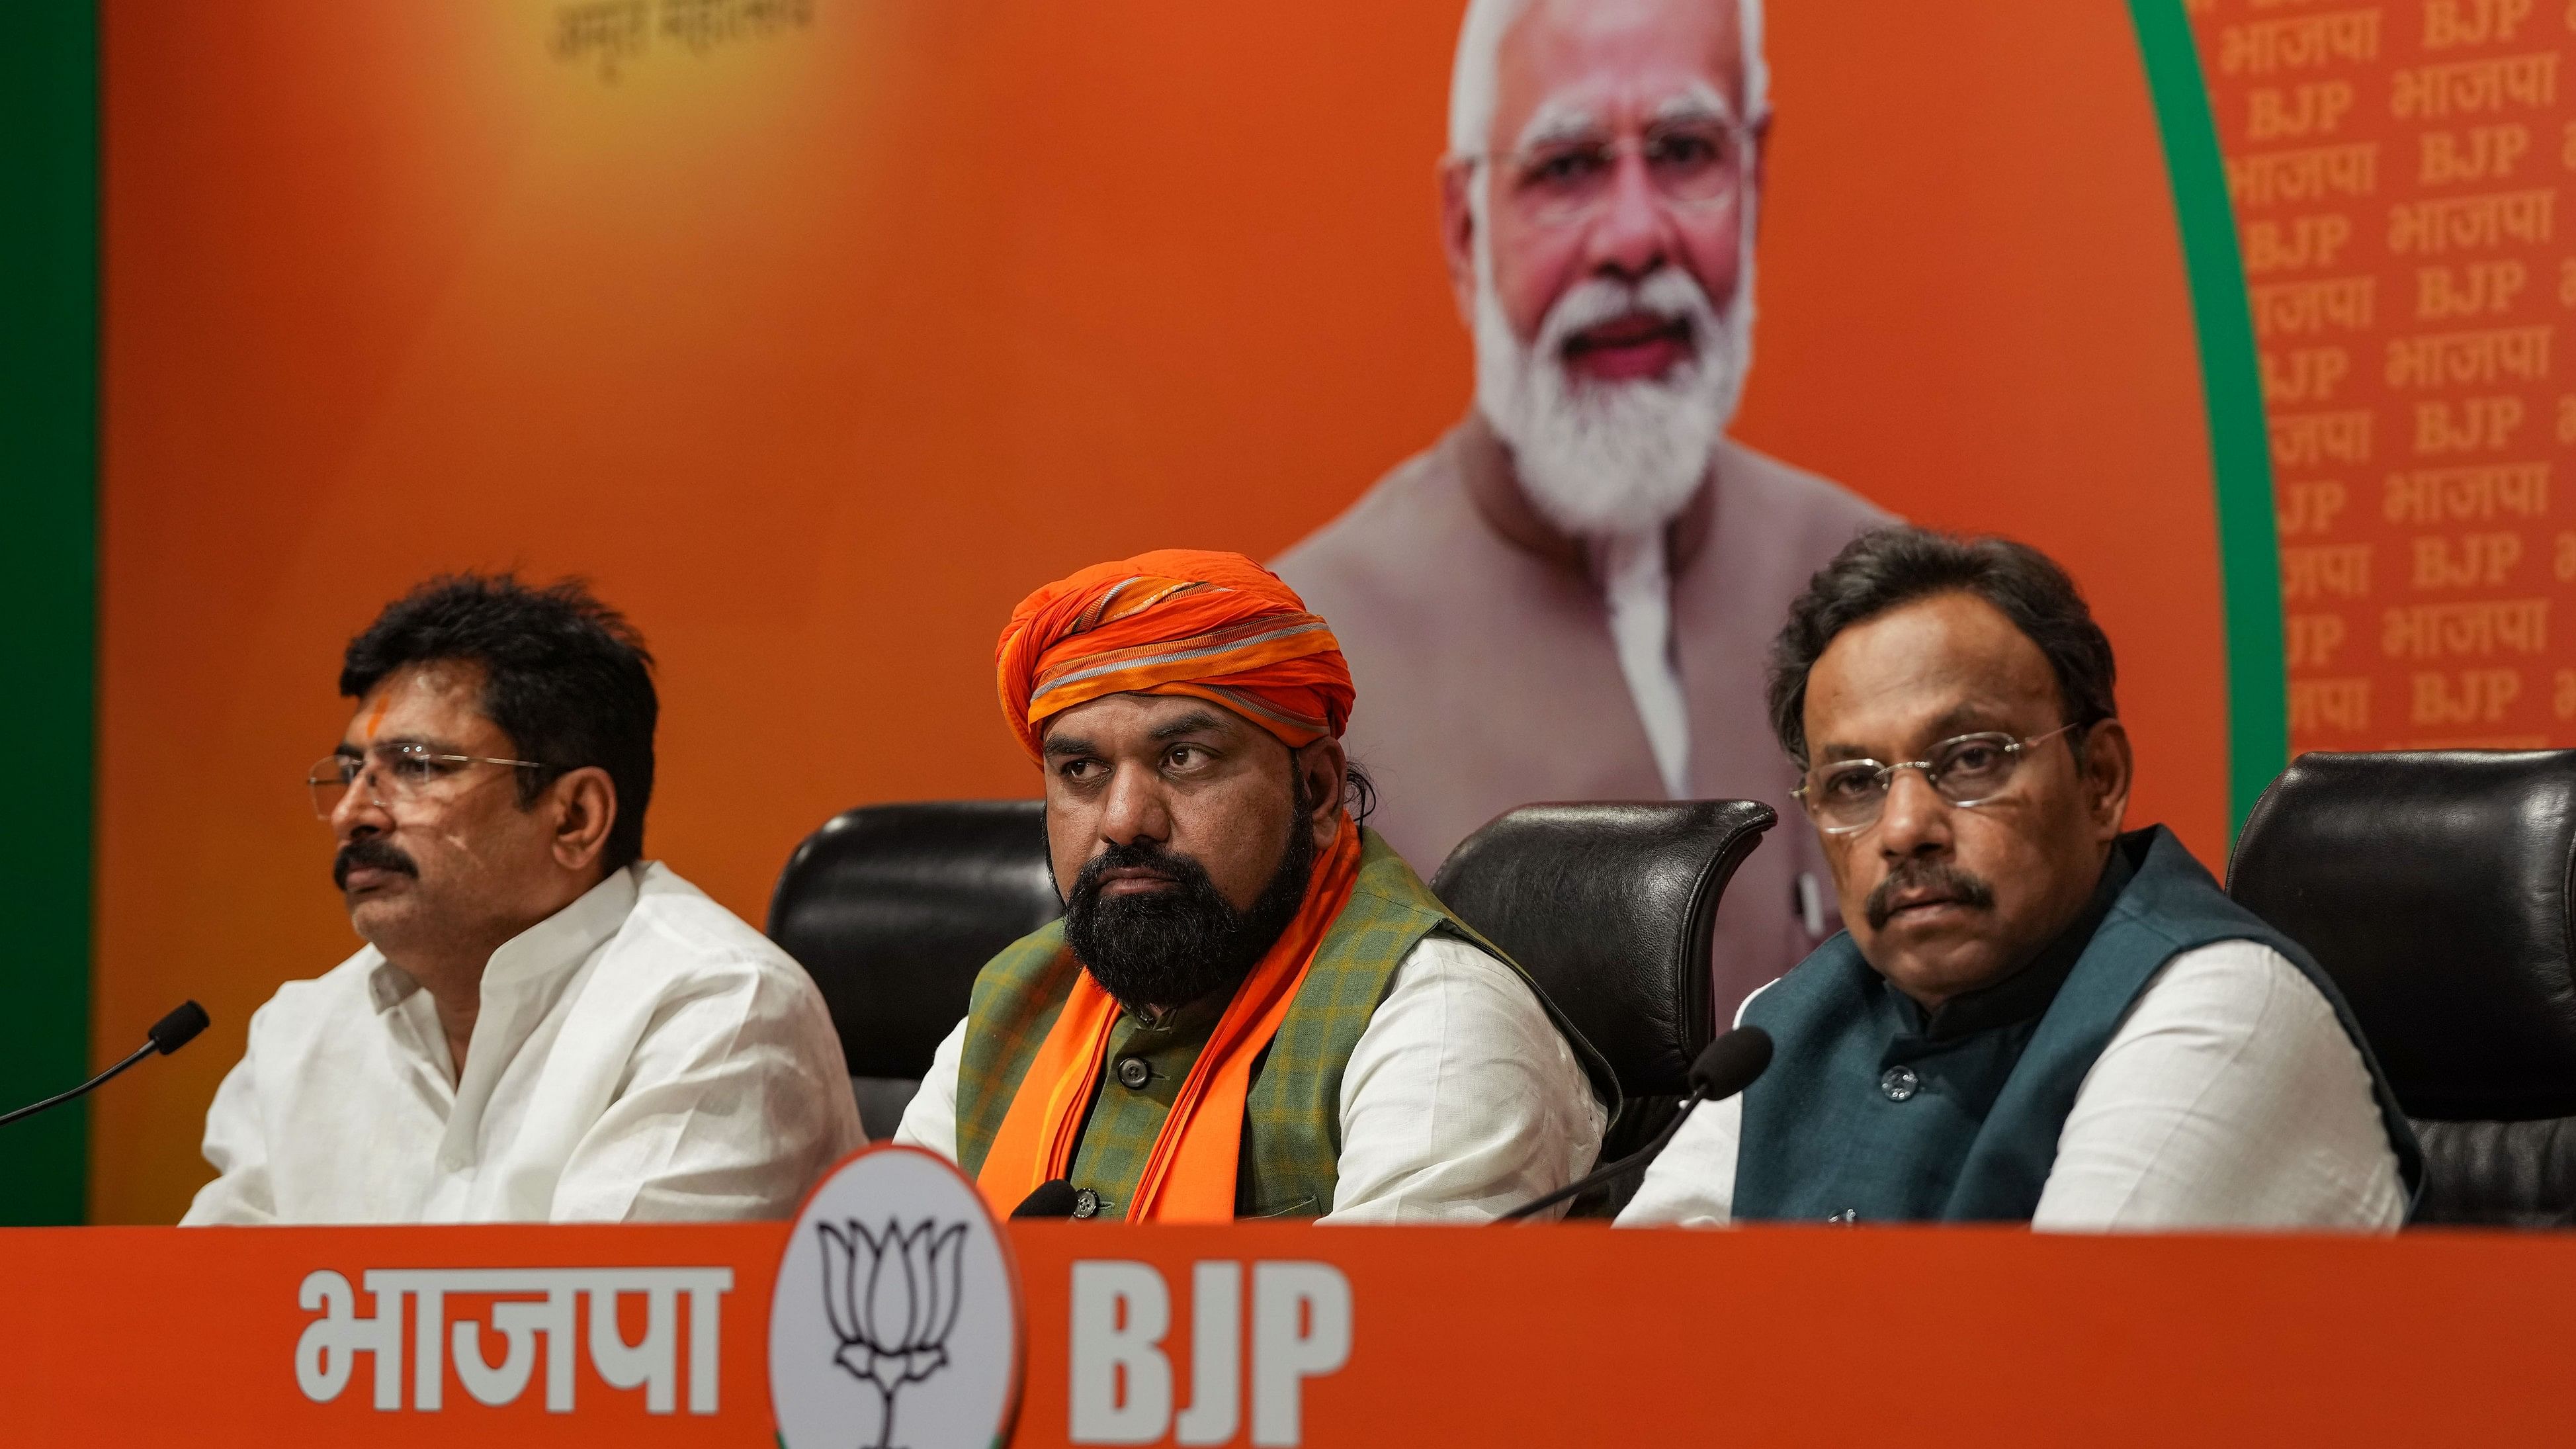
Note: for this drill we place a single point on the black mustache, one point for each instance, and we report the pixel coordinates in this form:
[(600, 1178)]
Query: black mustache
[(1949, 880), (369, 854), (1181, 870)]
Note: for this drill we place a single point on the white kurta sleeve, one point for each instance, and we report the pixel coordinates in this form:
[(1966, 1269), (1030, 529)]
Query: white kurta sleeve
[(1461, 1099), (237, 1146), (1691, 1183), (2231, 1098), (930, 1118), (733, 1104)]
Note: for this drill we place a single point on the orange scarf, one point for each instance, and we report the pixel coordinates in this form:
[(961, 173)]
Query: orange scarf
[(1190, 1175)]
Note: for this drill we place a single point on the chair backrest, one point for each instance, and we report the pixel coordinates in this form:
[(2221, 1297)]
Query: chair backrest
[(2434, 887), (1611, 908), (895, 908)]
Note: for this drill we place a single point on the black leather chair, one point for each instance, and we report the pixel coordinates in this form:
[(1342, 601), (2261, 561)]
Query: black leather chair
[(893, 909), (1611, 909), (2434, 888)]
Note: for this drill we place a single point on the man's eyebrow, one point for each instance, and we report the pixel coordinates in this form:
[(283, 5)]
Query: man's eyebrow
[(1557, 121), (1702, 102), (1971, 717), (398, 742), (1064, 744), (1194, 722)]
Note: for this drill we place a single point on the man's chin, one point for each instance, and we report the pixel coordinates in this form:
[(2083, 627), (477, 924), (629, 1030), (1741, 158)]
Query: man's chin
[(379, 909), (1934, 954)]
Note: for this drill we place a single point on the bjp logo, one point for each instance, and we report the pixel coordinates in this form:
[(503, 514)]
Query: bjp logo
[(894, 1284), (892, 1300)]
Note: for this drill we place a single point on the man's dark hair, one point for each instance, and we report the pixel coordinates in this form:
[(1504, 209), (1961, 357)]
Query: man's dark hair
[(564, 676), (1359, 794), (1888, 568)]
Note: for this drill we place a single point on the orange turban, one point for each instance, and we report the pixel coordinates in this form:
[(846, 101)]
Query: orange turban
[(1175, 621)]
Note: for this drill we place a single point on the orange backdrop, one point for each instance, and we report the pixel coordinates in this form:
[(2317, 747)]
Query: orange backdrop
[(815, 342)]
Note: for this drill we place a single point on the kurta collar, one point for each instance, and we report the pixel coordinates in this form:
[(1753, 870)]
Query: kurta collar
[(565, 939), (1484, 463), (556, 944)]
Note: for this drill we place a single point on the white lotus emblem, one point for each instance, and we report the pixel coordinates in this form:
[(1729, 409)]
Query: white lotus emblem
[(892, 1298)]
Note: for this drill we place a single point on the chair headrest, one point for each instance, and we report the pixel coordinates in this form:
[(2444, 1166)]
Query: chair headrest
[(893, 909), (2433, 887), (1611, 909)]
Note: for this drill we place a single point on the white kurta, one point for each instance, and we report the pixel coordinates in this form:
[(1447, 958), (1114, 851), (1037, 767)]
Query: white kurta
[(2231, 1097), (1460, 1101), (641, 1054)]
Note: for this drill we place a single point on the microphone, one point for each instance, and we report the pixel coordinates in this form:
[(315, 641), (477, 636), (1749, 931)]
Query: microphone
[(167, 1035), (1727, 1067), (177, 1029), (1055, 1198)]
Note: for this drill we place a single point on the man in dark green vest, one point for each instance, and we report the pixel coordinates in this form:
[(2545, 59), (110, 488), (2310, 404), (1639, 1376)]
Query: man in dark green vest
[(1252, 1006), (2034, 1015)]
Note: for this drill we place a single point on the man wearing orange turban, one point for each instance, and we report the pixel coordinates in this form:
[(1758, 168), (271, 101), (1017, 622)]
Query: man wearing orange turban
[(1252, 1007)]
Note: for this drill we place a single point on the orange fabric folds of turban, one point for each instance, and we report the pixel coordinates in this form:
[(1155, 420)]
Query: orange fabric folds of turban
[(1175, 621)]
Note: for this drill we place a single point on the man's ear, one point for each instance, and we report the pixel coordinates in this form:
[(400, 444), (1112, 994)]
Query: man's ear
[(584, 806), (1458, 233), (2110, 768), (1324, 770)]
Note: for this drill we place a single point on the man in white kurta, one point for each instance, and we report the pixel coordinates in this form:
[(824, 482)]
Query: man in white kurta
[(543, 1025), (2033, 1015), (642, 1055), (2230, 1098), (1252, 1007), (1460, 1102)]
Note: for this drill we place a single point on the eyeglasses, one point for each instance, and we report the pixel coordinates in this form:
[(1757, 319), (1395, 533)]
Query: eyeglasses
[(398, 774), (1848, 795), (1693, 164)]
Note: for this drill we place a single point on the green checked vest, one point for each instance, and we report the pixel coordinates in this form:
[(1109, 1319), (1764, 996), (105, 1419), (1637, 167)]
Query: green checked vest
[(1292, 1116), (1870, 1113)]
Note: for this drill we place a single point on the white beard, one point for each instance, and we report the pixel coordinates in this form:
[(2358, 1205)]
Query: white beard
[(1601, 459)]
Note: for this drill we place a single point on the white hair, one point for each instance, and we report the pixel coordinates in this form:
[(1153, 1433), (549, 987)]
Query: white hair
[(1603, 460), (1473, 78)]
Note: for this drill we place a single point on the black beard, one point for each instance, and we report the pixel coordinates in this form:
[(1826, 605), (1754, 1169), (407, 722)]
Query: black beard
[(1166, 948)]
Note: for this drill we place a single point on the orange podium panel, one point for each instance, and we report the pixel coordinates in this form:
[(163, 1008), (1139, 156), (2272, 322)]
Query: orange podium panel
[(1279, 1333)]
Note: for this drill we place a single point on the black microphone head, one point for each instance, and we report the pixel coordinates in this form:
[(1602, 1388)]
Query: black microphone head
[(1731, 1063), (178, 1028), (1052, 1199)]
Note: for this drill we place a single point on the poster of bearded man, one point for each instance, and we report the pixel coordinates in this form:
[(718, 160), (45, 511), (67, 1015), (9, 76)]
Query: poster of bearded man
[(1570, 595)]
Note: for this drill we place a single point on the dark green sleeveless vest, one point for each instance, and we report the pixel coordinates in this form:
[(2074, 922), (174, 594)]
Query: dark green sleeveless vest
[(1292, 1119), (1872, 1113)]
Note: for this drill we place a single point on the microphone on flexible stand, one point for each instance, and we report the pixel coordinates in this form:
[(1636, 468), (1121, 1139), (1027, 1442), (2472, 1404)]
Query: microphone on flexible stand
[(1727, 1067), (167, 1035)]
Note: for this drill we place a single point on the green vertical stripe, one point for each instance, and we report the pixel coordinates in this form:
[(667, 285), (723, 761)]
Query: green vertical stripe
[(2231, 381), (48, 589)]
